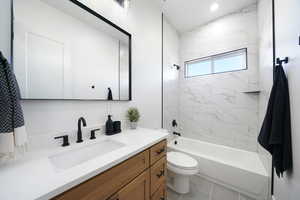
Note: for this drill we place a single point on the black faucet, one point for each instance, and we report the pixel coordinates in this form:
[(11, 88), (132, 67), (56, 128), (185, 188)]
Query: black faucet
[(79, 132), (65, 140)]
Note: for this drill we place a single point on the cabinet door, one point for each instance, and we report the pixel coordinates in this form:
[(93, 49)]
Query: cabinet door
[(138, 189), (158, 151), (160, 194), (158, 174)]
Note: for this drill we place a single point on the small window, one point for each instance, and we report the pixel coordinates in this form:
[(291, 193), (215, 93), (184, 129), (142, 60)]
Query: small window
[(225, 62)]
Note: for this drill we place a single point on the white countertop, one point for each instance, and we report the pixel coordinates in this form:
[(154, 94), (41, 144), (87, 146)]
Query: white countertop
[(34, 177)]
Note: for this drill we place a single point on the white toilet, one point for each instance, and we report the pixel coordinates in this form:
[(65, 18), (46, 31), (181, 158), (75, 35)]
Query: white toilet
[(180, 168)]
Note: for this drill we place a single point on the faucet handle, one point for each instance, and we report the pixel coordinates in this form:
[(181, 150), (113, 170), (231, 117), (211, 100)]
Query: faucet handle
[(65, 140), (93, 133), (176, 133)]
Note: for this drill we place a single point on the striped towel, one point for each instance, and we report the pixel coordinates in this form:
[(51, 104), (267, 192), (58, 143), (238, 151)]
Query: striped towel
[(12, 126)]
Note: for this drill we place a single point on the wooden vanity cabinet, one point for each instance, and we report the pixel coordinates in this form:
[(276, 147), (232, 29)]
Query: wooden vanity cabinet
[(141, 177)]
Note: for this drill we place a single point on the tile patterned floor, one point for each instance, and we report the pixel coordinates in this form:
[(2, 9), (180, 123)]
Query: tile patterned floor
[(201, 189), (195, 194)]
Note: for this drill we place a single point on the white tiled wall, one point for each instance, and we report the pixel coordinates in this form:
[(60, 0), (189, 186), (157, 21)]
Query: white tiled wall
[(214, 108)]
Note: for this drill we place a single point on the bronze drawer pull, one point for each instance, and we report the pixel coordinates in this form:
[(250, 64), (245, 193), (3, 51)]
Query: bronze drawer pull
[(162, 173), (160, 151)]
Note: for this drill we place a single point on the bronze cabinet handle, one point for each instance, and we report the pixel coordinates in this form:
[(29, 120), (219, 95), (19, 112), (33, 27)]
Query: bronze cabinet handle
[(160, 151), (162, 173)]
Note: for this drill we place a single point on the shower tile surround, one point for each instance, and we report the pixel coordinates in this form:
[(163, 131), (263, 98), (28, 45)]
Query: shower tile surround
[(214, 108)]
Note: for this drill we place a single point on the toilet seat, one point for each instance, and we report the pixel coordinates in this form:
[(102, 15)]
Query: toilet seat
[(182, 161)]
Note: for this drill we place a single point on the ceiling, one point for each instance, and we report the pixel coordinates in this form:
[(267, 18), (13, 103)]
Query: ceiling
[(186, 15), (75, 11)]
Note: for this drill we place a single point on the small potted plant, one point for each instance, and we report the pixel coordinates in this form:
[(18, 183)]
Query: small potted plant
[(133, 116)]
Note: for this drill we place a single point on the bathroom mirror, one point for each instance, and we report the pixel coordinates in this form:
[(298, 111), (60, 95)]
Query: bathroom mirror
[(64, 50)]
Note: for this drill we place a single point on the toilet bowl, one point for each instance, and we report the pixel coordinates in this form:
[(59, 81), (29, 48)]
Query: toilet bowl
[(180, 168)]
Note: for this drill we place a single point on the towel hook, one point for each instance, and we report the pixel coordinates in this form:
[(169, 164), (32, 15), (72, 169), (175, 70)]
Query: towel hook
[(280, 62)]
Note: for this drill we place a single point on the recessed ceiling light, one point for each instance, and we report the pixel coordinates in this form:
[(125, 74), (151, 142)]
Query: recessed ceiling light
[(214, 7)]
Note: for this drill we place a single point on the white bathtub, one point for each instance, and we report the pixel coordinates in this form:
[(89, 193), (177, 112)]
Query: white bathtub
[(237, 169)]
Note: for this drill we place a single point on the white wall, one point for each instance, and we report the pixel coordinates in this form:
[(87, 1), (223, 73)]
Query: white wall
[(171, 74), (214, 108), (143, 20), (287, 33), (287, 44), (265, 67)]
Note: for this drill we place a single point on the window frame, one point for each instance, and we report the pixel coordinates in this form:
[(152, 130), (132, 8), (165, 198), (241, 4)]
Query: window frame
[(212, 57)]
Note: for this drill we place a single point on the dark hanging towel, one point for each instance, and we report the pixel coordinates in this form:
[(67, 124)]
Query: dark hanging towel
[(109, 95), (275, 134)]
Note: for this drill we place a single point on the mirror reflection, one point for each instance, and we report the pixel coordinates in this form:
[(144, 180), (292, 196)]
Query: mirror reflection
[(75, 55)]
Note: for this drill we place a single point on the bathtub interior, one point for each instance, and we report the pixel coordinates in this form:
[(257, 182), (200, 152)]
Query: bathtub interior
[(236, 169)]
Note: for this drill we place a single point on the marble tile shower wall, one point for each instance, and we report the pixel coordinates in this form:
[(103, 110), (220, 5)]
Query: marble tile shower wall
[(214, 108), (265, 66)]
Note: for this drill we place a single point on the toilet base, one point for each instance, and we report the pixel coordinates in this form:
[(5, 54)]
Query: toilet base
[(178, 183)]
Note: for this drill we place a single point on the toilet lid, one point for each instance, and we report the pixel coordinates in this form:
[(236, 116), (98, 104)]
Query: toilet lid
[(181, 160)]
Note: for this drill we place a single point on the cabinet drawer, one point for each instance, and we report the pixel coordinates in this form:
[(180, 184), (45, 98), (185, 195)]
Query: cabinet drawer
[(160, 194), (158, 151), (158, 174), (109, 182)]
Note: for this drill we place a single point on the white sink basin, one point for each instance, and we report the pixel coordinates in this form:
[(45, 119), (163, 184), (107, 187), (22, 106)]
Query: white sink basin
[(75, 157)]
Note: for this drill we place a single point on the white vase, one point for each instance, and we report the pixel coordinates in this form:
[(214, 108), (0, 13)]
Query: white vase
[(133, 125)]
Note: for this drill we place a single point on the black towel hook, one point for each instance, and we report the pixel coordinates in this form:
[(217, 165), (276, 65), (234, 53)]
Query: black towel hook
[(280, 62)]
